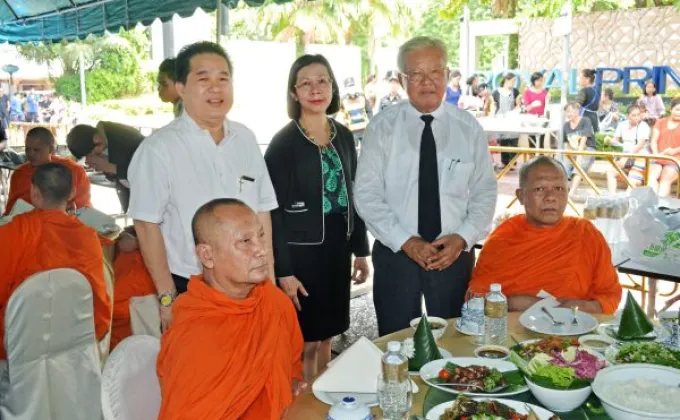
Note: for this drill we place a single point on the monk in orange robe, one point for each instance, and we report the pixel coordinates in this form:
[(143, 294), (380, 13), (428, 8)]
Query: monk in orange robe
[(48, 238), (132, 280), (545, 250), (40, 147), (234, 348)]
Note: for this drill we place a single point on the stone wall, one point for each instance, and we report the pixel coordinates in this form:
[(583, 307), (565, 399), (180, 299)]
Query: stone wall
[(644, 37)]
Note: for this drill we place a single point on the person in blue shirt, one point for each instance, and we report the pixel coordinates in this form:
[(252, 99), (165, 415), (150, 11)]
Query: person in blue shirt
[(32, 107), (16, 111), (453, 90)]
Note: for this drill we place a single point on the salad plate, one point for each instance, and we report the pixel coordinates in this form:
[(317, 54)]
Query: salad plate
[(491, 373), (645, 352), (448, 410), (539, 322)]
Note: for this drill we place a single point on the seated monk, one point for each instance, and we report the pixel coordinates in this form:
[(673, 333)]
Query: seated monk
[(545, 250), (48, 238), (40, 147), (132, 280), (234, 348)]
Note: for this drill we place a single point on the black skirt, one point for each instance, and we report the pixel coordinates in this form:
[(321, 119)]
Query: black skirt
[(325, 272)]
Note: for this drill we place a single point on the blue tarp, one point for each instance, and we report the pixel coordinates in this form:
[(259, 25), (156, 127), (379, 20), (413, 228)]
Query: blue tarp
[(53, 20)]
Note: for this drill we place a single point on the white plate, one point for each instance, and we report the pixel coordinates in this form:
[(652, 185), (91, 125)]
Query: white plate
[(536, 320), (462, 329), (659, 334), (436, 412), (445, 354), (431, 371), (370, 400), (599, 355)]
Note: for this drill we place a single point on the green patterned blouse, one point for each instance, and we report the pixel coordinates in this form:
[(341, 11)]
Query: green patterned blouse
[(335, 190)]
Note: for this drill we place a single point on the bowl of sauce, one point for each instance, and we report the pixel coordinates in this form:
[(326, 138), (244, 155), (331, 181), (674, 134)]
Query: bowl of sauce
[(596, 342), (492, 352)]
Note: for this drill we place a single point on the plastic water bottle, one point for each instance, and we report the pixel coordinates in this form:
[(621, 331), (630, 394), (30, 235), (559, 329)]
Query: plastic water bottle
[(394, 389), (495, 317)]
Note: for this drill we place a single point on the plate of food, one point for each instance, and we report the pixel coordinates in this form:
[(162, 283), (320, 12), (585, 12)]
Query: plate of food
[(611, 330), (557, 362), (474, 376), (558, 321), (652, 353), (486, 409)]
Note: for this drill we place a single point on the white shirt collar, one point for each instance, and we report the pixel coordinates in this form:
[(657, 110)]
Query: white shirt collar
[(438, 113), (191, 124)]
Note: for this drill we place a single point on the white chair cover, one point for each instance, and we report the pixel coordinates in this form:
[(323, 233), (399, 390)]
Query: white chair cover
[(53, 370), (130, 388), (145, 318)]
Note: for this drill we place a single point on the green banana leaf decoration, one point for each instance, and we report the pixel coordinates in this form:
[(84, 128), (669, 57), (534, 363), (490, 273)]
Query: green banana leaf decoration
[(425, 346), (634, 321)]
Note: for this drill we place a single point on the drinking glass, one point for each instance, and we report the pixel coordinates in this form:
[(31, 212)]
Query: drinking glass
[(473, 315), (395, 398)]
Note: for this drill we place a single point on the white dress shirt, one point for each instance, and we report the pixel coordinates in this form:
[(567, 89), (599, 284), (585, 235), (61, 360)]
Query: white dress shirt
[(179, 168), (386, 190)]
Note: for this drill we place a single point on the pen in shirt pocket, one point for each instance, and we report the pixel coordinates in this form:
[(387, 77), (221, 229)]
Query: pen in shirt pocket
[(244, 178), (453, 162)]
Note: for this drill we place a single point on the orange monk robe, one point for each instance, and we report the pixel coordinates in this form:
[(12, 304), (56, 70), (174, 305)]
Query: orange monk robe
[(20, 184), (132, 280), (569, 260), (229, 359), (42, 240)]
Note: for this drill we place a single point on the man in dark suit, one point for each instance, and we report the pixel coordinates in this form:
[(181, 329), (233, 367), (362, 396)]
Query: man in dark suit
[(107, 148)]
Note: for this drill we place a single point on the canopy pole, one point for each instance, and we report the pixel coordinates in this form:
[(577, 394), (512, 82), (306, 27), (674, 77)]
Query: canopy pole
[(81, 68), (218, 21)]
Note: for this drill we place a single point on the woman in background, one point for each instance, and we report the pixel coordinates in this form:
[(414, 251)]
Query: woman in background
[(666, 141), (652, 101), (589, 97)]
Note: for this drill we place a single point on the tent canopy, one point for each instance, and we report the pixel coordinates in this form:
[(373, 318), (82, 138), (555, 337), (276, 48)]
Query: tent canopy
[(53, 20)]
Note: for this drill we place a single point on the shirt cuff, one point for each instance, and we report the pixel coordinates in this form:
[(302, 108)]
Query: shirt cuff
[(469, 234), (397, 239), (145, 217)]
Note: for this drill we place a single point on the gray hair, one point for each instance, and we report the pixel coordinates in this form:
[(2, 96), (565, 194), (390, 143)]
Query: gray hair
[(417, 43), (538, 161)]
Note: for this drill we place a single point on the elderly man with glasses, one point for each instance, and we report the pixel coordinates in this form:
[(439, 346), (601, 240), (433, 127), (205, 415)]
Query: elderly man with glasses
[(426, 189)]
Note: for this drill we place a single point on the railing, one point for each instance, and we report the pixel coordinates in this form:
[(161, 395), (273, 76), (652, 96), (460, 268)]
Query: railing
[(572, 156)]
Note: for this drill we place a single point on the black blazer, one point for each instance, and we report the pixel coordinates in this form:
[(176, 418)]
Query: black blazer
[(123, 141), (294, 165)]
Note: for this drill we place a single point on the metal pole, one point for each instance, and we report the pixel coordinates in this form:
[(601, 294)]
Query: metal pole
[(81, 68), (565, 75), (218, 25)]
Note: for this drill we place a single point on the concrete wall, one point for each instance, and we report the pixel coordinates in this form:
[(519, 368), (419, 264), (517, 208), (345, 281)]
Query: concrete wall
[(644, 37)]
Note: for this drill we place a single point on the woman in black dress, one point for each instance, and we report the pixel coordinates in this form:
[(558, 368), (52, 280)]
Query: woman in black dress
[(589, 97), (312, 164)]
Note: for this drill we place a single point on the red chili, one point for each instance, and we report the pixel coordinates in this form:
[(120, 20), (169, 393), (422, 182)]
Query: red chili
[(444, 374)]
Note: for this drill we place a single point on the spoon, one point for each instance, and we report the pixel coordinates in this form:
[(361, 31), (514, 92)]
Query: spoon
[(554, 321)]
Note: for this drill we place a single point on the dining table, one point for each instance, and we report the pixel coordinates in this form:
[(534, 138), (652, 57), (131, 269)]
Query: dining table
[(306, 406)]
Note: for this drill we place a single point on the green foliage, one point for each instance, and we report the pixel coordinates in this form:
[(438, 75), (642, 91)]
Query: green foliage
[(601, 145)]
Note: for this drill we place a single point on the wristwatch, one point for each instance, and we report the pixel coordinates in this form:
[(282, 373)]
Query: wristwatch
[(167, 299)]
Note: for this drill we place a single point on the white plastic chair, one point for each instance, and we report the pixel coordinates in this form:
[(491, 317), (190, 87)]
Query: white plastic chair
[(145, 317), (53, 368), (130, 387)]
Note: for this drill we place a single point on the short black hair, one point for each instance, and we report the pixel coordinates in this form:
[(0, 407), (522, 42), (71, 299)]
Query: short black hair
[(634, 107), (42, 134), (54, 181), (183, 60), (470, 80), (609, 93), (576, 106), (294, 109), (650, 82), (80, 140), (538, 161), (167, 68), (209, 208), (589, 74), (536, 77)]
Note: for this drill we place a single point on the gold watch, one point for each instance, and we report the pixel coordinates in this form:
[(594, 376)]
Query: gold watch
[(167, 299)]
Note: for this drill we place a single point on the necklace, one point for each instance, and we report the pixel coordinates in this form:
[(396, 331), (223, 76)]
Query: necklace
[(308, 136)]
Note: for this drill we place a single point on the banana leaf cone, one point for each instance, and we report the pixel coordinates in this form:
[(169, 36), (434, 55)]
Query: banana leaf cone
[(425, 346), (634, 322)]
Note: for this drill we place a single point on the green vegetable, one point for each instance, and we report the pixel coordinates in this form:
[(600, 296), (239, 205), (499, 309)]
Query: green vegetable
[(559, 376), (654, 353), (492, 380)]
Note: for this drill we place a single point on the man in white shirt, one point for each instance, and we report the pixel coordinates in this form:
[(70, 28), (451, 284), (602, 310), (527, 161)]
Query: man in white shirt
[(198, 157), (424, 235)]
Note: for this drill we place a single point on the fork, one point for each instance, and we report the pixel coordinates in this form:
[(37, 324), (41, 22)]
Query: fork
[(574, 321), (554, 321)]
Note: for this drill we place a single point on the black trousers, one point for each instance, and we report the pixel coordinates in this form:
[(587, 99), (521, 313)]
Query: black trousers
[(506, 157), (180, 283), (399, 283)]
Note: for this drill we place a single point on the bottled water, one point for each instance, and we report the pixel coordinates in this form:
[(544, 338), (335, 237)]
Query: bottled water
[(394, 385), (495, 317)]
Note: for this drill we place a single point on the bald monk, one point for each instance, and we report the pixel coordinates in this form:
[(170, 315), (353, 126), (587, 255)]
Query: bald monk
[(47, 238), (132, 280), (233, 350), (40, 147), (545, 250)]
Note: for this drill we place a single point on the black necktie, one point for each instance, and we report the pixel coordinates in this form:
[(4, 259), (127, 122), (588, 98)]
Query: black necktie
[(429, 212)]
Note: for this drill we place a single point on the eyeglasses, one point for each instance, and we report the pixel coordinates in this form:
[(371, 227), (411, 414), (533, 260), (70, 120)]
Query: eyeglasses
[(435, 75), (307, 85)]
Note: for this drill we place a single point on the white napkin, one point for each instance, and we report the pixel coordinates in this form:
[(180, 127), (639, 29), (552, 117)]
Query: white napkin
[(547, 301), (20, 206), (356, 370), (101, 222)]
